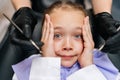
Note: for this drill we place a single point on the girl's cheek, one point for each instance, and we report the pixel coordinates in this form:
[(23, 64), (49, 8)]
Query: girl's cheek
[(57, 45), (78, 45)]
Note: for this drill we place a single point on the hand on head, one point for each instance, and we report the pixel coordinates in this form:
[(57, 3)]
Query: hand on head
[(47, 38), (86, 58)]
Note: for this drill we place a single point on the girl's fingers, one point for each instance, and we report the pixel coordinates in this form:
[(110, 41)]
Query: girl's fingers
[(43, 29), (89, 30), (47, 27), (48, 30), (88, 24), (47, 38), (51, 36), (87, 36)]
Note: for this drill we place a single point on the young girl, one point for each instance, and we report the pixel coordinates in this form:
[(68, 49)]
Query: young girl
[(67, 53)]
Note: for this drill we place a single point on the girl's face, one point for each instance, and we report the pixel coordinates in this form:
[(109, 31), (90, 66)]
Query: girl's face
[(68, 42)]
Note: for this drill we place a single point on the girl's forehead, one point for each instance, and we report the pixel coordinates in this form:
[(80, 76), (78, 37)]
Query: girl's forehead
[(59, 11), (66, 20), (62, 13), (67, 17)]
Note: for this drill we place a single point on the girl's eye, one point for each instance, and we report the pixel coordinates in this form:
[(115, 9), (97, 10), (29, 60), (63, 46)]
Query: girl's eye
[(57, 36), (78, 36)]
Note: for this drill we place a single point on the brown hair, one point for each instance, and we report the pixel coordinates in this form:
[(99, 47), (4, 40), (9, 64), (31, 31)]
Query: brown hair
[(65, 5)]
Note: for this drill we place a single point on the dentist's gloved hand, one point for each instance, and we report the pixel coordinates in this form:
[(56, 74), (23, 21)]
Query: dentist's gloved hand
[(106, 25), (112, 45), (26, 19)]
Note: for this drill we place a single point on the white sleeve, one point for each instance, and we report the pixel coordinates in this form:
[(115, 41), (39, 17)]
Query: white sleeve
[(88, 73), (45, 68), (118, 77), (14, 77)]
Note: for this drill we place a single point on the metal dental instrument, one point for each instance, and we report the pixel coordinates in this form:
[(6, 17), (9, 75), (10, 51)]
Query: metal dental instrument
[(16, 26), (118, 28), (102, 46)]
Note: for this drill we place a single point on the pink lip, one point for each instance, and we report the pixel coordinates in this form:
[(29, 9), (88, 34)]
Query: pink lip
[(66, 57)]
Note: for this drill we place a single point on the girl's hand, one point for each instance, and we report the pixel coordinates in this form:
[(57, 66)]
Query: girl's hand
[(86, 58), (47, 38)]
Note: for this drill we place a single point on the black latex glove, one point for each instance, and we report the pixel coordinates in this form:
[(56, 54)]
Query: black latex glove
[(26, 19), (106, 25), (113, 44)]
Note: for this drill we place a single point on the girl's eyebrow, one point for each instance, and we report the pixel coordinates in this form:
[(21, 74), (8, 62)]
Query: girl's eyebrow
[(58, 27), (78, 28)]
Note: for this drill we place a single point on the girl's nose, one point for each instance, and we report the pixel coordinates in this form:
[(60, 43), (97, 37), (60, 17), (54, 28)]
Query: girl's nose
[(67, 44), (67, 49)]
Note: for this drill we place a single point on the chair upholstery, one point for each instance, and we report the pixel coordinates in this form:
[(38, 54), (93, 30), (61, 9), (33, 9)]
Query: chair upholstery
[(11, 53)]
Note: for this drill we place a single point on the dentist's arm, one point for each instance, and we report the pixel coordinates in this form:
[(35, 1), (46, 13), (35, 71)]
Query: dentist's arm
[(21, 3), (101, 6), (26, 19), (106, 25)]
